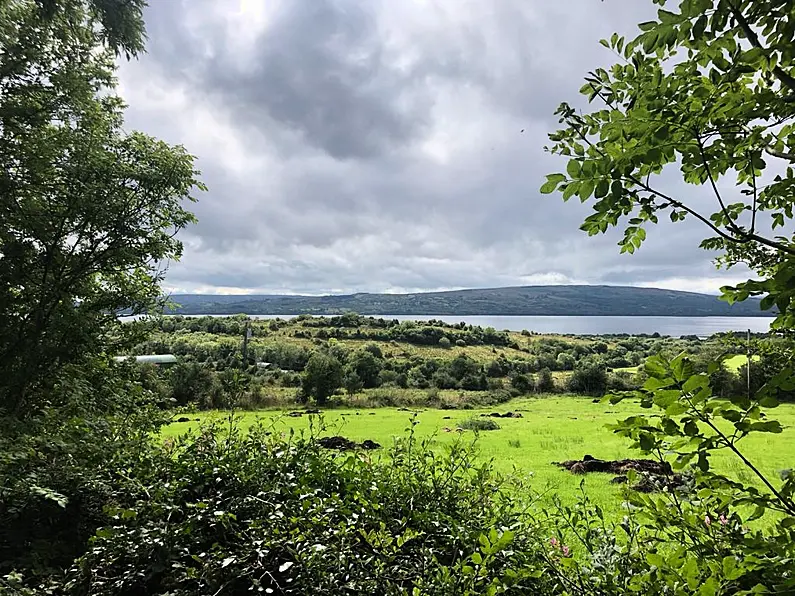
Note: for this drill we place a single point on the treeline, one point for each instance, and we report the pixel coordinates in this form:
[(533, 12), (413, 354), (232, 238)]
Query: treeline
[(211, 372)]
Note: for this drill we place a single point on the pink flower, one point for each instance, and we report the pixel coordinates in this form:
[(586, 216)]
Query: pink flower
[(553, 541), (722, 519), (565, 550), (707, 521)]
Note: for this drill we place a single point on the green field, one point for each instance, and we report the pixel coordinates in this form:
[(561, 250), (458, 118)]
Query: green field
[(736, 362), (551, 429)]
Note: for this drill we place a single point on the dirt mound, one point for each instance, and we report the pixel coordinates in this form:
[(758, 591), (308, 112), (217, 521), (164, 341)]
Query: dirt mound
[(299, 413), (186, 419), (505, 415), (344, 444), (655, 475)]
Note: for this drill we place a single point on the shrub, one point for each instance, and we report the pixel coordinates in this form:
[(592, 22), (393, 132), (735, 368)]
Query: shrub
[(388, 377), (588, 379), (209, 527), (194, 383), (544, 381), (479, 424), (622, 381), (444, 343), (352, 383), (521, 383)]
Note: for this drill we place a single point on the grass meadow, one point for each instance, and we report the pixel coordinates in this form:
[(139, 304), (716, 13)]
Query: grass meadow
[(551, 429)]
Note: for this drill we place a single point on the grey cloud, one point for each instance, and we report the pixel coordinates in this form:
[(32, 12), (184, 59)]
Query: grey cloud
[(369, 146)]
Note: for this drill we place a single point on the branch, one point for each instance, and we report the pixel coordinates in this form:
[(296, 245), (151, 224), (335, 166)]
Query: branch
[(745, 236), (753, 209), (784, 77), (733, 226), (780, 154)]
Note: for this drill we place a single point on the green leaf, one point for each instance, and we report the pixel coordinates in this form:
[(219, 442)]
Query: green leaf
[(574, 169), (549, 186), (675, 409), (695, 382), (646, 442), (682, 367), (477, 559), (699, 27), (654, 367), (730, 570), (653, 383)]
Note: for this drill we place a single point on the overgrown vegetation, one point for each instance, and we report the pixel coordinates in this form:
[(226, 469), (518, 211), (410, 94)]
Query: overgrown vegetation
[(93, 502)]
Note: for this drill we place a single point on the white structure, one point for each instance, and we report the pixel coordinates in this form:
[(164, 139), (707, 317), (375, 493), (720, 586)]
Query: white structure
[(153, 358)]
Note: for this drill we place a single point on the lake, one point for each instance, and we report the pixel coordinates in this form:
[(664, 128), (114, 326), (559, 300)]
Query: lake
[(674, 326)]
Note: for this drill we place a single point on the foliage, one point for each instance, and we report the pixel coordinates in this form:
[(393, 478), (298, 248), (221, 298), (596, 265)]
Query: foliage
[(61, 469), (479, 424), (544, 381), (366, 366), (723, 113), (690, 427), (232, 513), (588, 379), (193, 383), (89, 211), (322, 377)]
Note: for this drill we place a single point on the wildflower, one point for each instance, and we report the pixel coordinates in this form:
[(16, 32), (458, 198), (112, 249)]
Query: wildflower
[(722, 519), (565, 550), (553, 541), (707, 521)]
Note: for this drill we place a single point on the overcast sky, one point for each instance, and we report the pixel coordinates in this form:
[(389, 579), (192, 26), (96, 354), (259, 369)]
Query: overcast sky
[(384, 145)]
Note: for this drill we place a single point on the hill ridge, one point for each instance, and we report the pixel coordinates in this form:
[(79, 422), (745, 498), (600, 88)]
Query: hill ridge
[(557, 300)]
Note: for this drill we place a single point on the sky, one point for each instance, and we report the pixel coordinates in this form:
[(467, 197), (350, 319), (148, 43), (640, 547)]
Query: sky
[(388, 146)]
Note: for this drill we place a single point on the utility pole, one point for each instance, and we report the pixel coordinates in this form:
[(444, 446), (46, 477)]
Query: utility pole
[(246, 336), (748, 362)]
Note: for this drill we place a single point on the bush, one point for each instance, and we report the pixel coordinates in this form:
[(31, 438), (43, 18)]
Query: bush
[(622, 381), (522, 384), (444, 343), (544, 381), (588, 379), (210, 527), (194, 383), (479, 424)]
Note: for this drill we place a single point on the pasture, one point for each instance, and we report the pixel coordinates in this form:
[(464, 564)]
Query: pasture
[(551, 429)]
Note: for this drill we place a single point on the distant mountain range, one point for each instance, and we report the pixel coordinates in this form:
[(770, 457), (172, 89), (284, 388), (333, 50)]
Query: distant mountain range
[(574, 300)]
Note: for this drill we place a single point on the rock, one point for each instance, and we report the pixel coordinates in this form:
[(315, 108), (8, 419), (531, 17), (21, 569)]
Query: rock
[(183, 419)]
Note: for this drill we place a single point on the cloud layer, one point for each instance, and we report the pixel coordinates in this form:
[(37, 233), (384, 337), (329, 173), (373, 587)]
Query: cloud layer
[(385, 146)]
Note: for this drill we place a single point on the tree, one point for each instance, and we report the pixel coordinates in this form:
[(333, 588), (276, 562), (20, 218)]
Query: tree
[(322, 377), (366, 367), (588, 378), (88, 213), (723, 117), (353, 383)]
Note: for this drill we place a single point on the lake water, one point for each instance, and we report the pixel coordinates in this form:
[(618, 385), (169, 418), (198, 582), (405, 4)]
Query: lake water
[(673, 326)]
